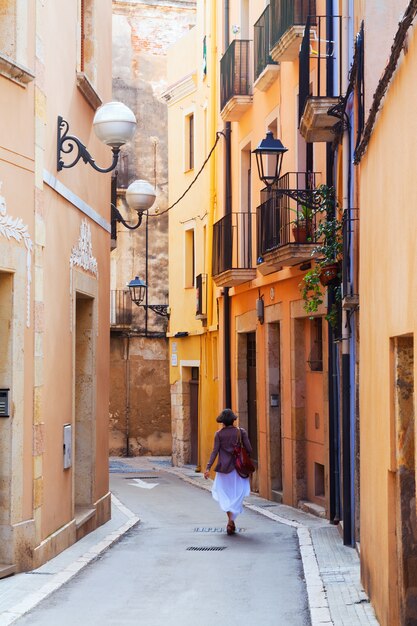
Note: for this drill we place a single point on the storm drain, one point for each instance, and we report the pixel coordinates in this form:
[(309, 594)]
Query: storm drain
[(205, 529), (267, 506), (206, 548)]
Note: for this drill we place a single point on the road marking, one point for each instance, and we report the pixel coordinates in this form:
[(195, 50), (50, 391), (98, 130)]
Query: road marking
[(137, 482)]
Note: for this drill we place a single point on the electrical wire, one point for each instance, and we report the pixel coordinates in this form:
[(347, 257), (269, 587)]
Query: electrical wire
[(218, 135)]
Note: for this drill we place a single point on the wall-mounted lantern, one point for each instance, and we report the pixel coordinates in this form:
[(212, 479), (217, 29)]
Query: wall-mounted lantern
[(140, 196), (114, 124), (137, 290), (269, 147)]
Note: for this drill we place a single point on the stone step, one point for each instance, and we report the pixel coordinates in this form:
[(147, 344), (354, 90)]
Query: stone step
[(311, 507), (7, 570)]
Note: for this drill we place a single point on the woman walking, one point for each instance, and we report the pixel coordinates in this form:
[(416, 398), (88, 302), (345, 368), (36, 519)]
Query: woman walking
[(229, 488)]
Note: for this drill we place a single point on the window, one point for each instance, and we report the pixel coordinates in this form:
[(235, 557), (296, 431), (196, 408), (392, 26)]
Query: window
[(8, 25), (86, 56), (315, 359), (14, 41), (189, 142), (189, 258)]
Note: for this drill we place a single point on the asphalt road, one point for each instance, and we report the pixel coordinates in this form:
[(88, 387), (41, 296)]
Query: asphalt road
[(178, 567)]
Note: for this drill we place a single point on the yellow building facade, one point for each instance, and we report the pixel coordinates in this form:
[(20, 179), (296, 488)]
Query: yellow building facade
[(193, 326), (54, 281)]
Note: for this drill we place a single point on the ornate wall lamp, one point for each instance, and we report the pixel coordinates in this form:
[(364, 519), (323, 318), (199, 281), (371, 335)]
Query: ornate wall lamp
[(269, 147), (140, 196), (138, 291), (114, 124)]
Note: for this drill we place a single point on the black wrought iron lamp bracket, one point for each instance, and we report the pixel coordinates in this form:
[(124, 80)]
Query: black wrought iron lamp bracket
[(301, 196), (159, 309), (67, 143), (116, 215)]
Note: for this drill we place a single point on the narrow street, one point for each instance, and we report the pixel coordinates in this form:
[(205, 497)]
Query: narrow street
[(178, 566)]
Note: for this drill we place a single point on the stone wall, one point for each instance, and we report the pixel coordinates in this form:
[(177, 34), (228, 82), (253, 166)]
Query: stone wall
[(140, 408)]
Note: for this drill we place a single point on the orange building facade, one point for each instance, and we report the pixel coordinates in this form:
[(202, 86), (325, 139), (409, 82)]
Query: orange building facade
[(272, 356), (54, 281)]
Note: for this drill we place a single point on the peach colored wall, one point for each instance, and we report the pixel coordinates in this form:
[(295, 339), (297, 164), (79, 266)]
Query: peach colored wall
[(388, 287), (62, 234), (42, 499)]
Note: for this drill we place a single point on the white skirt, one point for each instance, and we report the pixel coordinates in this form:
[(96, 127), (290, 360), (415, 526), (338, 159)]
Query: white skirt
[(229, 491)]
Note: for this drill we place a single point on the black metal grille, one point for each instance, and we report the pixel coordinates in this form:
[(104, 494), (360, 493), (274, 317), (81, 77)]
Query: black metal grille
[(234, 71), (281, 215), (206, 548), (209, 529), (262, 43), (120, 308), (201, 295), (321, 51), (232, 242), (288, 13)]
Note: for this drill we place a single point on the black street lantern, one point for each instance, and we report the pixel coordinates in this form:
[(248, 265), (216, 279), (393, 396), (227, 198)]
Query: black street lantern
[(137, 290), (269, 147)]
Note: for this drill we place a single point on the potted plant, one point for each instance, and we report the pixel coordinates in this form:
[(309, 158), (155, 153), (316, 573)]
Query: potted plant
[(329, 248), (302, 229)]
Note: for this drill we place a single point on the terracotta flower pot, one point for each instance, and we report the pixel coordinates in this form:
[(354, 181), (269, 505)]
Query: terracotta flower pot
[(329, 274), (302, 232)]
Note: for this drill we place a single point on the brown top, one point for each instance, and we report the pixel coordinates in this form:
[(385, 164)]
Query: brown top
[(224, 442)]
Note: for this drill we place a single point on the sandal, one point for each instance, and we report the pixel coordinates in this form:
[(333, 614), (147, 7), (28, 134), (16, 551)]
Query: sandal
[(230, 529)]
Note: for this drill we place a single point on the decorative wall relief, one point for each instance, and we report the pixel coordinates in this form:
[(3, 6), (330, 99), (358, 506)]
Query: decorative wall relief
[(14, 228), (82, 256), (82, 253)]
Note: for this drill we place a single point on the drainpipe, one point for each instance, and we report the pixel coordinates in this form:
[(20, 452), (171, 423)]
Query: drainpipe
[(127, 392), (333, 373), (228, 210), (346, 418)]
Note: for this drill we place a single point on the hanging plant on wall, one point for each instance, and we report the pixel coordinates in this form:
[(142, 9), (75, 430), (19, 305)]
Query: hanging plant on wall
[(327, 270)]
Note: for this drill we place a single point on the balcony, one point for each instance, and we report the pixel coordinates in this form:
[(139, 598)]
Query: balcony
[(321, 57), (285, 228), (235, 81), (232, 250), (120, 309), (288, 19), (265, 68)]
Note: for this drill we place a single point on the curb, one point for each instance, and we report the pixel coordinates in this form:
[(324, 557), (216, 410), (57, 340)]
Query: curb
[(316, 594), (62, 577)]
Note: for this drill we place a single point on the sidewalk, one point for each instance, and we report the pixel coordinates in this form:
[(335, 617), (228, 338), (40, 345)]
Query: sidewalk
[(22, 592), (331, 570)]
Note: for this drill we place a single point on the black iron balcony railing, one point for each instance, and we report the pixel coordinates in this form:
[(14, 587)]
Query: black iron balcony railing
[(282, 219), (235, 71), (232, 242), (320, 52), (262, 43), (120, 308), (288, 13)]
